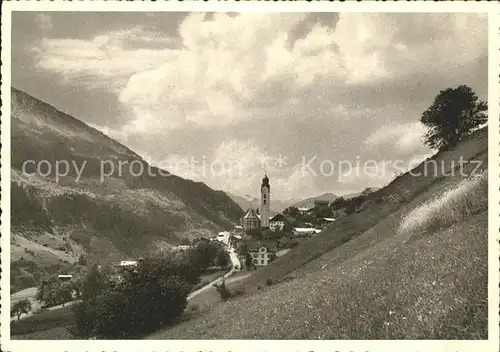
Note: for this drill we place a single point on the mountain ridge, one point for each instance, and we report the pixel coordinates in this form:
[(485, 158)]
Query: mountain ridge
[(127, 213)]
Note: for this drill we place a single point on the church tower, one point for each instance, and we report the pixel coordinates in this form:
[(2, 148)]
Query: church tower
[(265, 200)]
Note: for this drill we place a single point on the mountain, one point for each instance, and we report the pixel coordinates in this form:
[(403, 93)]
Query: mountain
[(411, 263), (104, 207), (364, 192), (309, 202), (248, 202)]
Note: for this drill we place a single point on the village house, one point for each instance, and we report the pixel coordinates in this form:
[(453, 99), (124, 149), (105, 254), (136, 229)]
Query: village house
[(223, 237), (325, 222), (238, 230), (305, 231), (261, 252), (277, 222)]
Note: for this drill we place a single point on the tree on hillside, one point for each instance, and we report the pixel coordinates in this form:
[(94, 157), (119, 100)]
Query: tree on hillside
[(292, 211), (255, 234), (150, 295), (82, 260), (222, 258), (93, 283), (64, 293), (19, 308), (203, 255), (455, 113)]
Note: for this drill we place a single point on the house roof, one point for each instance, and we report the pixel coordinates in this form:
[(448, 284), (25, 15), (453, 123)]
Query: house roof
[(329, 219), (304, 229), (254, 245), (278, 217), (305, 208), (128, 262)]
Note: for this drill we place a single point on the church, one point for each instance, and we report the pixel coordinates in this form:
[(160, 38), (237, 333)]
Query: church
[(254, 220)]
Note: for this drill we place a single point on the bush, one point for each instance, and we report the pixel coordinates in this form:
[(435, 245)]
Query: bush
[(269, 282), (149, 295), (467, 198), (223, 290)]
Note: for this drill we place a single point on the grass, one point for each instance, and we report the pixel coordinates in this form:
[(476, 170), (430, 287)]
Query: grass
[(46, 320), (467, 198), (363, 278)]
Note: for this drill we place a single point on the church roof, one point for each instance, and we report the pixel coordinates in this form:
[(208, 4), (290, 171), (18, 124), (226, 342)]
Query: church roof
[(250, 214)]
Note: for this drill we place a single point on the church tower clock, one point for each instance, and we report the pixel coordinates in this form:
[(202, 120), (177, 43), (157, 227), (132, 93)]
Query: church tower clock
[(265, 200)]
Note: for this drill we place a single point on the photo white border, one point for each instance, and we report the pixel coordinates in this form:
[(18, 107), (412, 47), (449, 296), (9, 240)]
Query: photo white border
[(492, 344)]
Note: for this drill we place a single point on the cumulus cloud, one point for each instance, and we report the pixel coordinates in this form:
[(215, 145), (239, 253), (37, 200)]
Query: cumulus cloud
[(105, 61), (252, 84), (406, 137)]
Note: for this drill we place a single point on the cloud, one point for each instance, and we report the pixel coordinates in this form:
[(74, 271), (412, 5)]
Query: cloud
[(105, 61), (43, 22), (250, 84), (405, 137)]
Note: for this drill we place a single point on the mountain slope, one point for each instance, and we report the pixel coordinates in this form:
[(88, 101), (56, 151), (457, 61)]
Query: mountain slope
[(309, 202), (106, 218), (370, 275)]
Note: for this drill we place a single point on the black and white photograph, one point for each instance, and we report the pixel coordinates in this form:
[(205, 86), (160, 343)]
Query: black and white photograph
[(247, 175)]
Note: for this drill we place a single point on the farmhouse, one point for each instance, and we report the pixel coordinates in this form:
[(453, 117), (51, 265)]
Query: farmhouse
[(277, 222)]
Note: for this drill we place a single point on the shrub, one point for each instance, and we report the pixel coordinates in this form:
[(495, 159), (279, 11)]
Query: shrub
[(223, 290), (467, 198), (269, 282)]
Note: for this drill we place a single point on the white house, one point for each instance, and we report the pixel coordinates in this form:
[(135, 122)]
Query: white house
[(277, 222), (261, 252), (224, 237), (128, 263)]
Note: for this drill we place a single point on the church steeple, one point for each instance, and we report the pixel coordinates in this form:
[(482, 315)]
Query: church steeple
[(265, 182), (265, 202)]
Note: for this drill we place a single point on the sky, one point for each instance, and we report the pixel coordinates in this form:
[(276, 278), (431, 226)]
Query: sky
[(322, 102)]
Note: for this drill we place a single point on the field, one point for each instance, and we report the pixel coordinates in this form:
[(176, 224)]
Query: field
[(411, 264), (42, 324)]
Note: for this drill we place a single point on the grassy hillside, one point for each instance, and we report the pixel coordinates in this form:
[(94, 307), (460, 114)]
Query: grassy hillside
[(120, 216), (393, 270)]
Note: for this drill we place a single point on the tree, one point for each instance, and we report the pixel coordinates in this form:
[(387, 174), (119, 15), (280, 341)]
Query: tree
[(93, 283), (47, 291), (223, 290), (65, 293), (455, 113), (150, 295), (77, 286), (248, 261), (82, 260), (222, 259), (292, 211), (255, 233), (20, 307)]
